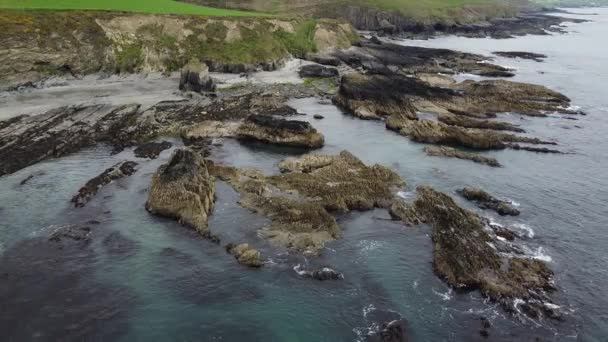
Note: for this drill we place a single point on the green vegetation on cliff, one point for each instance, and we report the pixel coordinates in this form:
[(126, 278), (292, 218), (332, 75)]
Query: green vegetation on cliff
[(141, 6)]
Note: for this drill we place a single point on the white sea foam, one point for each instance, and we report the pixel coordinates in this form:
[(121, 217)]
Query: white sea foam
[(524, 227), (444, 296), (367, 246), (299, 270), (406, 194), (368, 309), (538, 253)]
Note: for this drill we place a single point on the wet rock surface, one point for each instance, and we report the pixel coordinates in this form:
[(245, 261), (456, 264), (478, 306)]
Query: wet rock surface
[(487, 201), (90, 189), (151, 149), (322, 274), (538, 57), (450, 152), (464, 257), (279, 131), (183, 190)]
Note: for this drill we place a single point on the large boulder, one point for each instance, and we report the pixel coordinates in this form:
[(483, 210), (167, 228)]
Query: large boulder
[(245, 254), (279, 131), (195, 77), (183, 190), (315, 70)]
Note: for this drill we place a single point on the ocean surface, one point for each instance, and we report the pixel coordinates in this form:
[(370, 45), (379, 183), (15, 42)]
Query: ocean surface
[(150, 279)]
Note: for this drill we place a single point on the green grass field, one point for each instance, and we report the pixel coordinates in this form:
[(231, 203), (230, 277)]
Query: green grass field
[(141, 6)]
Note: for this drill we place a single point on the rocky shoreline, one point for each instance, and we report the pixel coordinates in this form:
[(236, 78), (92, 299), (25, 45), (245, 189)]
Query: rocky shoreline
[(302, 200)]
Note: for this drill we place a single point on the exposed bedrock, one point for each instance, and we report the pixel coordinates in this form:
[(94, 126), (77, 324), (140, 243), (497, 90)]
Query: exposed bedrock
[(151, 149), (27, 140), (245, 254), (90, 189), (195, 77), (376, 57), (450, 152), (487, 201), (464, 257), (538, 57), (183, 190), (299, 200), (279, 131), (314, 70), (468, 122)]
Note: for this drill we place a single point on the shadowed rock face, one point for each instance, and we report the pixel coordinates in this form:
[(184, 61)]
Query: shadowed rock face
[(464, 258), (195, 77), (50, 291), (183, 190), (280, 131), (314, 70), (450, 152), (538, 57), (90, 189), (487, 201)]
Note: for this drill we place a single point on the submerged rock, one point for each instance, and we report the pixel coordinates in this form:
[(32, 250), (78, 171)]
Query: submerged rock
[(151, 149), (183, 190), (195, 77), (450, 152), (318, 116), (520, 54), (487, 201), (245, 254), (322, 274), (464, 257), (73, 232), (393, 331), (90, 189), (280, 131), (315, 70)]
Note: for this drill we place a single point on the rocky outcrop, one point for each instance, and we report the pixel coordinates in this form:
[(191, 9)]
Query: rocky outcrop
[(538, 57), (450, 152), (322, 274), (245, 254), (464, 257), (195, 77), (183, 190), (90, 189), (315, 70), (404, 212), (151, 149), (323, 59), (467, 122), (338, 183), (279, 131), (27, 140), (487, 201)]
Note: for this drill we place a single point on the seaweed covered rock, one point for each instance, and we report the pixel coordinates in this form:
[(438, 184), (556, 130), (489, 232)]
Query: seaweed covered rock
[(341, 182), (151, 149), (91, 188), (464, 257), (279, 131), (245, 254), (195, 77), (450, 152), (315, 70), (183, 190), (487, 201)]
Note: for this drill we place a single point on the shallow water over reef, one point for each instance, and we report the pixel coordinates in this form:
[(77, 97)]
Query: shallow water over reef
[(146, 278)]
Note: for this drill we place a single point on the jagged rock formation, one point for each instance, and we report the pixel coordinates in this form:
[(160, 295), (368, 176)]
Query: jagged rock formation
[(26, 140), (487, 201), (280, 131), (450, 152), (195, 77), (117, 171), (183, 190), (245, 254), (151, 149), (538, 57), (464, 257), (467, 122), (298, 200)]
